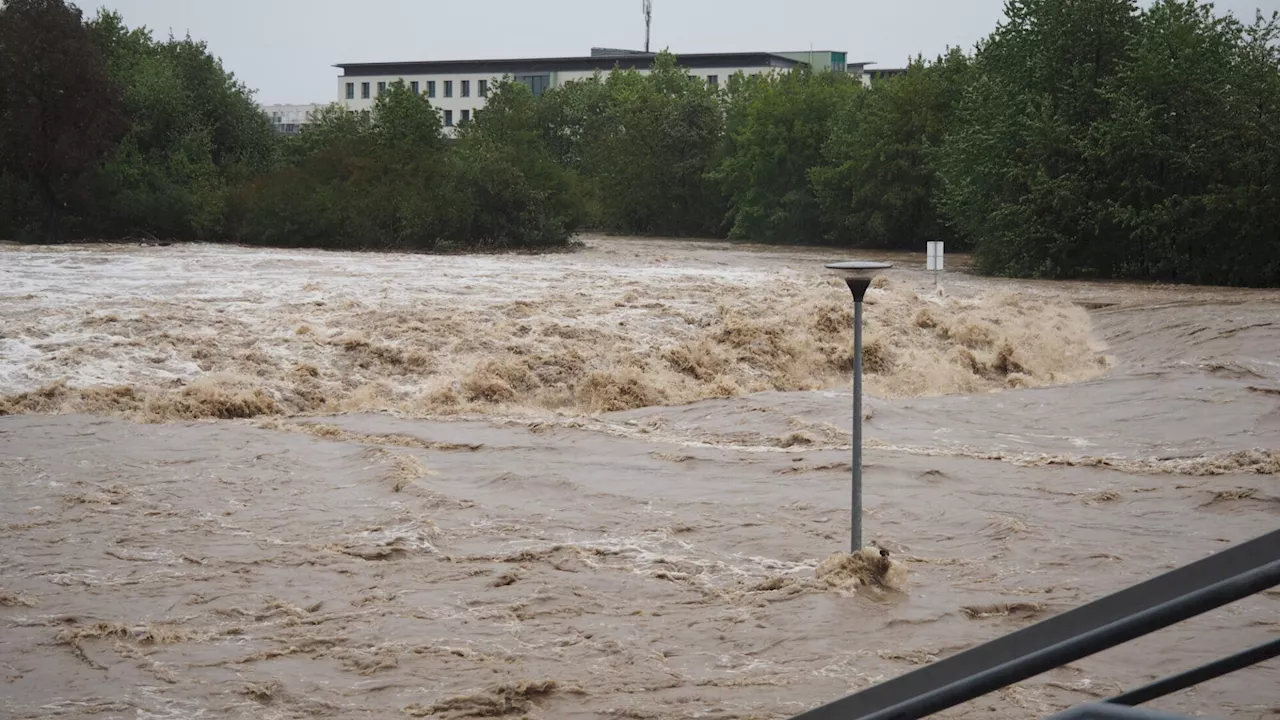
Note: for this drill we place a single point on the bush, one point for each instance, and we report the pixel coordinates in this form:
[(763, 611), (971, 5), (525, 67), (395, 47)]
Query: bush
[(784, 122), (1100, 141), (876, 184), (195, 135), (391, 181)]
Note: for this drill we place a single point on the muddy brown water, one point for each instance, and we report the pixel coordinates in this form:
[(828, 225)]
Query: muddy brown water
[(389, 549)]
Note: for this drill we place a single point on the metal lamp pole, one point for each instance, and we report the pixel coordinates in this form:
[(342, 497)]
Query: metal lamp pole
[(857, 275)]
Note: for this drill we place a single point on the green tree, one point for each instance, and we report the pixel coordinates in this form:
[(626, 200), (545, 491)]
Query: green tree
[(1015, 180), (515, 193), (660, 140), (406, 127), (357, 182), (390, 180), (59, 112), (1191, 152), (736, 98), (572, 125), (571, 119), (779, 137), (196, 134), (876, 184)]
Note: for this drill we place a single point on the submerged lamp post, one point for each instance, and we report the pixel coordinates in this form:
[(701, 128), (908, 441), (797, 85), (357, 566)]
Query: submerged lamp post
[(857, 275)]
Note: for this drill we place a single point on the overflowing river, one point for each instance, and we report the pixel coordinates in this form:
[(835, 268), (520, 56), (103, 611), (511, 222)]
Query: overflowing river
[(260, 483)]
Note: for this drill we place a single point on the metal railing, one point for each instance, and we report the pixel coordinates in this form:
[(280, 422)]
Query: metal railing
[(1225, 577)]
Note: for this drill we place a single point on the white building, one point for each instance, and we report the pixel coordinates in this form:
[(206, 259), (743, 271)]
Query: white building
[(289, 119), (459, 87)]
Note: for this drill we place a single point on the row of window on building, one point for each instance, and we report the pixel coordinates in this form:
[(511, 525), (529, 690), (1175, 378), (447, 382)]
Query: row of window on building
[(537, 83), (448, 117), (482, 86)]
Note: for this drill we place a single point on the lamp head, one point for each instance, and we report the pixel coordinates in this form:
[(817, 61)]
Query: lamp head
[(857, 275), (858, 269)]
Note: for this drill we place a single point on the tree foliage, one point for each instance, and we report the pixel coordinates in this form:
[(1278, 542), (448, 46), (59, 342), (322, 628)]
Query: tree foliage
[(783, 122), (1098, 140), (1190, 154), (60, 114), (391, 180), (649, 157), (196, 134), (515, 193), (356, 181), (875, 183), (1015, 182)]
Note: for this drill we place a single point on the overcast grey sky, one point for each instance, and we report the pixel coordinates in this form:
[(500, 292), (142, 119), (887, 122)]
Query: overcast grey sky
[(285, 49)]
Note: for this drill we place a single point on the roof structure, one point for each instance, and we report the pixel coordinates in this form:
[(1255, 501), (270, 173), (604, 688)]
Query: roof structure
[(605, 61)]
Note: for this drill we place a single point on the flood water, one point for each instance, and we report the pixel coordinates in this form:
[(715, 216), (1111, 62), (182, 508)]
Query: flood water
[(279, 484)]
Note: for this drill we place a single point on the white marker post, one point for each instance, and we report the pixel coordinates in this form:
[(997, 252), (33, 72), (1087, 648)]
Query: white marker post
[(935, 261)]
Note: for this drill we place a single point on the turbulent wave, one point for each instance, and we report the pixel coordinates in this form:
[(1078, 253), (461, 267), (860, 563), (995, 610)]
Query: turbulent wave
[(582, 340)]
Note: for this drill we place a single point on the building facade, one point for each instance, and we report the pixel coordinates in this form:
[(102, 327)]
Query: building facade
[(825, 60), (289, 119), (459, 87), (884, 73)]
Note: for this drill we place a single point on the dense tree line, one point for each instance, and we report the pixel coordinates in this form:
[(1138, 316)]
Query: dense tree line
[(106, 132), (391, 180), (1084, 139), (1099, 140)]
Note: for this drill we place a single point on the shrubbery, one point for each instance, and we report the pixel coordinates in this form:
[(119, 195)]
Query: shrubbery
[(155, 139), (390, 180), (1100, 140)]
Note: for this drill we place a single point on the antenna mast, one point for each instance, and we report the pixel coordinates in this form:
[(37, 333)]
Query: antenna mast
[(648, 18)]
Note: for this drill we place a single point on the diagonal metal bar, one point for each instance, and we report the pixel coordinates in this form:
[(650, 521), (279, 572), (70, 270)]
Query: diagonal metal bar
[(1104, 711), (1195, 676), (1017, 647), (1083, 645)]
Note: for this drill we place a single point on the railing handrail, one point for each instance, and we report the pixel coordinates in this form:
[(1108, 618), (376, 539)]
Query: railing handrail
[(1179, 594)]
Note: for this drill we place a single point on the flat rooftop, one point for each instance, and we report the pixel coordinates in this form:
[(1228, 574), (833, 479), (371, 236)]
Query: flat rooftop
[(580, 62)]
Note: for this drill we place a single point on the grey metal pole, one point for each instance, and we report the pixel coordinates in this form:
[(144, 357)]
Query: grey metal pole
[(858, 287), (855, 527), (857, 275)]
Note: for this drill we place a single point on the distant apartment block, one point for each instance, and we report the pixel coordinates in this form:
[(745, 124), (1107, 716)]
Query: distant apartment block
[(459, 87), (826, 60), (289, 119), (884, 73)]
